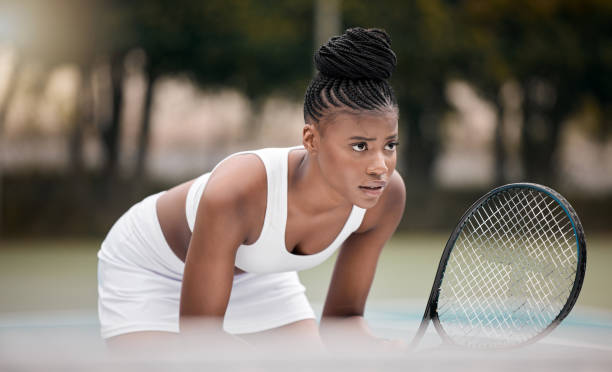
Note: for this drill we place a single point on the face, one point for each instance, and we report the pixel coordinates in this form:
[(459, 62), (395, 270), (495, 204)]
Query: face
[(356, 153)]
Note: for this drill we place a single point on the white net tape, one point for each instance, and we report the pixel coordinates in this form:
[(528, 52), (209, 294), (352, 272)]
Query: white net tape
[(510, 272)]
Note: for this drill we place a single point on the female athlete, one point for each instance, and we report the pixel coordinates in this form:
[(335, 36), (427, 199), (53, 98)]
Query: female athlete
[(223, 249)]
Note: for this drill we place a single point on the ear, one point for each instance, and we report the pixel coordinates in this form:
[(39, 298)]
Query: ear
[(310, 138)]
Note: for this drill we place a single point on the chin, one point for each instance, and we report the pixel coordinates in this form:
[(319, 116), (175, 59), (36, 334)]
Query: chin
[(366, 203)]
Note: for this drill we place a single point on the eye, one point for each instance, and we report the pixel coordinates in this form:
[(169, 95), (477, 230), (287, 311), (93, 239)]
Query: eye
[(391, 146), (359, 147)]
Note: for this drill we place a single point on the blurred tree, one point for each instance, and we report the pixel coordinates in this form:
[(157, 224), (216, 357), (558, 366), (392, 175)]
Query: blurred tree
[(327, 20), (559, 51), (9, 95), (258, 47), (54, 33)]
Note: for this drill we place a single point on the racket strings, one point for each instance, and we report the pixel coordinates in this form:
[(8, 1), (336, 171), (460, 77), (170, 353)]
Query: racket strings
[(510, 272)]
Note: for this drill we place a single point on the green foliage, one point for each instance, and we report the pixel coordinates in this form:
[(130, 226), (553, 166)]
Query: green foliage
[(255, 46), (559, 51), (262, 46)]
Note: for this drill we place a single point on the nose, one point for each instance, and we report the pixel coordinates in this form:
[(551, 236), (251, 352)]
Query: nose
[(378, 165)]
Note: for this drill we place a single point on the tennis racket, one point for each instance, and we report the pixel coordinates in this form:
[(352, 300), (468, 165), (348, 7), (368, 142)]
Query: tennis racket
[(510, 272)]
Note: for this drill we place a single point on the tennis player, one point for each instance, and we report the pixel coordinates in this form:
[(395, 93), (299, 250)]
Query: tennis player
[(223, 249)]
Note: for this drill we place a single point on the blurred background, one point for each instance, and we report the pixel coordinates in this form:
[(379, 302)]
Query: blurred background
[(105, 102)]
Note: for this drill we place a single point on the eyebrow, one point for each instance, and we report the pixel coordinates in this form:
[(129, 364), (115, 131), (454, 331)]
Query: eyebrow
[(359, 138)]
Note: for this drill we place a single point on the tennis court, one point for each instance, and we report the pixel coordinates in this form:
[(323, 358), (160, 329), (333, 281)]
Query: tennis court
[(149, 94), (48, 317)]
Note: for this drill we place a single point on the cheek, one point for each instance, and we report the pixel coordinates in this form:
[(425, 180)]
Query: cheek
[(340, 168), (391, 163)]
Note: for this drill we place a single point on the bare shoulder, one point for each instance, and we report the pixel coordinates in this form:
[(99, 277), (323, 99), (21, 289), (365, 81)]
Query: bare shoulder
[(390, 206), (237, 191), (237, 178)]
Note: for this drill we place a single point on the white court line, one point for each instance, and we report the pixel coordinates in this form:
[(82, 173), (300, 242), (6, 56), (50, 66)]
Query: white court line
[(573, 343)]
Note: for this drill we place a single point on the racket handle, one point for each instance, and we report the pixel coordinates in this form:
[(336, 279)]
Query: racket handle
[(419, 335)]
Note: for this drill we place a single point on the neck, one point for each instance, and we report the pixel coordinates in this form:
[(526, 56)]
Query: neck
[(312, 191)]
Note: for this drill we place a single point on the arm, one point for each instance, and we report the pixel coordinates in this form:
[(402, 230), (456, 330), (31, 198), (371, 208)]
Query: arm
[(355, 268), (223, 222)]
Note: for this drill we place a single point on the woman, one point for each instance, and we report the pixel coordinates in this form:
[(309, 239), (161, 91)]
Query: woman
[(228, 244)]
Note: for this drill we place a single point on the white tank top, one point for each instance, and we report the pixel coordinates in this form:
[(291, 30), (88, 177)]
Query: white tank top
[(269, 254)]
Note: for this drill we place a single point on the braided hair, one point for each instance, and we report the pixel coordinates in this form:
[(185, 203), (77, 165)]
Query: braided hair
[(353, 69)]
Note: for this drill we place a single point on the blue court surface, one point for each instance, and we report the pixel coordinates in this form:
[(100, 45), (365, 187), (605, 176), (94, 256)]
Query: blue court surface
[(69, 341)]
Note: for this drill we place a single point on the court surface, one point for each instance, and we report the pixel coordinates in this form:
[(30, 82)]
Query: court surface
[(48, 319)]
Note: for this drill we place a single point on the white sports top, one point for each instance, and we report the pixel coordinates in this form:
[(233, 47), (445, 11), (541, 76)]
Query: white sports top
[(269, 254)]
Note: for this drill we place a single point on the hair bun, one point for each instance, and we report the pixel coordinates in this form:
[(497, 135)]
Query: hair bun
[(357, 54)]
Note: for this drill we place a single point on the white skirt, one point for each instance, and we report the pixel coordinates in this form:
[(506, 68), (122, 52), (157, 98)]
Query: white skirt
[(139, 284)]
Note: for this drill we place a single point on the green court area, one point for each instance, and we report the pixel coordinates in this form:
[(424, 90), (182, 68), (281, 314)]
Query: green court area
[(48, 275)]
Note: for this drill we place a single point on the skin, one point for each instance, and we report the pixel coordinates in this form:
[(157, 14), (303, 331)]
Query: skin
[(343, 152)]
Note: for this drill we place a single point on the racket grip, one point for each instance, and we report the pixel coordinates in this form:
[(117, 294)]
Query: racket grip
[(419, 335)]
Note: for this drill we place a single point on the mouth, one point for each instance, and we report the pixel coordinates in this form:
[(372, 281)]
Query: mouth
[(373, 190)]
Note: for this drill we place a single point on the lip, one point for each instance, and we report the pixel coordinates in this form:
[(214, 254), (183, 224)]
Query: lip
[(373, 188)]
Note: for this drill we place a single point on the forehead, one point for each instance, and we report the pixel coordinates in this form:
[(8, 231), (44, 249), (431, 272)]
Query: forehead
[(366, 124)]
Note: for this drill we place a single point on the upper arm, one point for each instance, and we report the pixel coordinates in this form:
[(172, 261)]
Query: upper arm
[(356, 263), (222, 224)]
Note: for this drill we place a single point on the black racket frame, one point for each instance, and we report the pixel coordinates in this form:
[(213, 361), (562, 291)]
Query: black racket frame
[(431, 311)]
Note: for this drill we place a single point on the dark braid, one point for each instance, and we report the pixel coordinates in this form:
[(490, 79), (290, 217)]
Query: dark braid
[(353, 72)]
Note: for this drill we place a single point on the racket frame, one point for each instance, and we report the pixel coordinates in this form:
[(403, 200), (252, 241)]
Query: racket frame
[(431, 311)]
